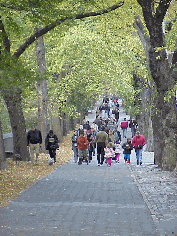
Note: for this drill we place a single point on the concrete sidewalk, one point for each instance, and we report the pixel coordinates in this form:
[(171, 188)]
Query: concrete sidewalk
[(80, 200)]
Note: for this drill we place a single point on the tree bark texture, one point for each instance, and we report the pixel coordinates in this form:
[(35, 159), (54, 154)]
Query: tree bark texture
[(14, 105), (164, 113), (42, 90)]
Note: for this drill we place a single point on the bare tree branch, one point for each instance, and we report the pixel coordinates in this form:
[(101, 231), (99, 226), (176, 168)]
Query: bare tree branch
[(47, 28)]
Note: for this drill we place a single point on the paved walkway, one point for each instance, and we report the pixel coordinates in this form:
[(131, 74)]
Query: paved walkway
[(80, 200), (90, 200)]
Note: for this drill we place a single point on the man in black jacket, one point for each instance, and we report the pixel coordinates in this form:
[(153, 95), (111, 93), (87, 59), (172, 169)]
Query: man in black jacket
[(34, 140)]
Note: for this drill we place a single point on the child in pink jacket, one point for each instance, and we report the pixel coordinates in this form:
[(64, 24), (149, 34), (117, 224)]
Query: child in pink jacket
[(109, 153)]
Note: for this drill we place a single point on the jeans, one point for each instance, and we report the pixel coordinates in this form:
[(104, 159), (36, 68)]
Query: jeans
[(124, 132), (75, 150), (139, 156), (127, 157)]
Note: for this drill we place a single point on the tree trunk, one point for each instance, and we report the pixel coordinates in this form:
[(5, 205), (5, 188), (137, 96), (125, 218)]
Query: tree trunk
[(3, 163), (164, 113), (13, 102), (42, 90)]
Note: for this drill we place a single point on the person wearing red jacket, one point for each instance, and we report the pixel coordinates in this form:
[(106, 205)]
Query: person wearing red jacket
[(138, 142), (82, 144), (124, 126)]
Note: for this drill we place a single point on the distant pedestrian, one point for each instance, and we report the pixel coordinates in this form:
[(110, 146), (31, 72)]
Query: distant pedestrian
[(133, 125), (111, 137), (34, 141), (124, 126), (117, 151), (94, 126), (117, 135), (79, 129), (109, 153), (87, 126), (138, 143), (127, 146), (101, 140), (97, 121), (74, 145), (82, 144), (90, 144), (115, 111)]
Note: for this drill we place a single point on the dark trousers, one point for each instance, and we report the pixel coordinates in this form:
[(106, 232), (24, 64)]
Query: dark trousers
[(100, 152), (90, 155), (52, 153)]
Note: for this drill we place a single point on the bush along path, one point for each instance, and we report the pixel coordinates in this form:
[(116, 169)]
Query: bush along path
[(18, 177)]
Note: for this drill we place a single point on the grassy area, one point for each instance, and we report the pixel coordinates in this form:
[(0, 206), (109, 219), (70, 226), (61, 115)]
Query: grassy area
[(20, 176)]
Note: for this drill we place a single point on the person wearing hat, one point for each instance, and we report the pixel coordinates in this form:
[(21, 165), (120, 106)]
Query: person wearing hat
[(138, 142), (51, 144)]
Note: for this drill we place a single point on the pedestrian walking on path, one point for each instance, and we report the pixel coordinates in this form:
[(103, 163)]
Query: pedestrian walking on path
[(111, 137), (127, 146), (82, 144), (74, 145), (124, 126), (90, 144), (117, 151), (138, 143), (51, 144), (101, 140), (34, 140), (133, 125), (109, 153), (117, 135)]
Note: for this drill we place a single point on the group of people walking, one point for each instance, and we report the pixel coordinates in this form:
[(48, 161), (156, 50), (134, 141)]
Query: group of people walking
[(104, 137)]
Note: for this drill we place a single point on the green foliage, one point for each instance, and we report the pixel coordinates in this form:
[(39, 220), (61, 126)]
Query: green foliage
[(4, 116), (97, 54)]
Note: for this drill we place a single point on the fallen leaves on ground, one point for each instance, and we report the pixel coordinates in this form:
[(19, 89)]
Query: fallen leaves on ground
[(18, 177)]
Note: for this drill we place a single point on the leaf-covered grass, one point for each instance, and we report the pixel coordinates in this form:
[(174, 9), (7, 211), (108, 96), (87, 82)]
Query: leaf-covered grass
[(20, 176)]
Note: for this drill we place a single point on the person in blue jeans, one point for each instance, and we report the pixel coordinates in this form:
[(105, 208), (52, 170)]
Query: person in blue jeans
[(127, 146), (138, 142), (124, 126)]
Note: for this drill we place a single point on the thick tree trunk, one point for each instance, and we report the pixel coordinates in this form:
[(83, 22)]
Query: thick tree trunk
[(3, 163), (170, 133), (42, 90), (164, 113), (13, 101)]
